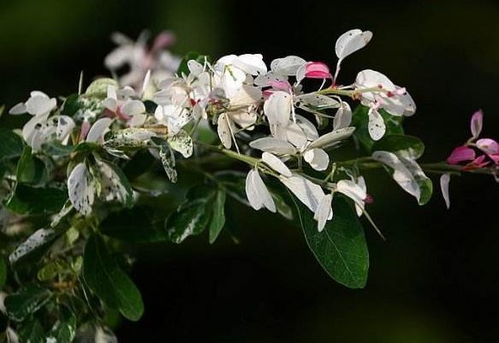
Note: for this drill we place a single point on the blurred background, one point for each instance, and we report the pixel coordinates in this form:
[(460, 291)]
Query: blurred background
[(435, 279)]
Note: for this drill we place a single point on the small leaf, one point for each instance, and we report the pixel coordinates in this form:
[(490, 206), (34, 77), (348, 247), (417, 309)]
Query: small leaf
[(218, 216), (109, 282), (11, 144), (64, 331), (192, 216), (181, 143), (71, 105), (30, 169), (33, 200), (402, 145), (168, 161), (341, 247), (26, 302)]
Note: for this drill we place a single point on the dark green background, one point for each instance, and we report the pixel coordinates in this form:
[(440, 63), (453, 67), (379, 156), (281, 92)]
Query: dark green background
[(435, 279)]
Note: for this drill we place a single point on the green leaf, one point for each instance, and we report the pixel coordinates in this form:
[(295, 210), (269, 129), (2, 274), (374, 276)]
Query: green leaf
[(341, 247), (183, 69), (218, 217), (30, 169), (424, 182), (402, 145), (32, 331), (64, 331), (39, 240), (71, 105), (3, 272), (36, 200), (11, 145), (109, 282), (192, 216), (26, 302), (56, 148), (360, 120), (98, 88), (136, 225)]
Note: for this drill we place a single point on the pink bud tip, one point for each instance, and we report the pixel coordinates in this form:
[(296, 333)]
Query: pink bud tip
[(461, 154), (317, 70)]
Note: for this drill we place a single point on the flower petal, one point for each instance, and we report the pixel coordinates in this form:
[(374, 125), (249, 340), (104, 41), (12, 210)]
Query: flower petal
[(276, 164), (309, 193), (351, 41), (444, 187), (476, 124), (488, 146), (287, 66), (461, 154), (273, 145), (317, 158), (278, 108), (324, 211), (332, 137), (133, 107), (224, 130), (257, 193), (98, 129), (376, 125)]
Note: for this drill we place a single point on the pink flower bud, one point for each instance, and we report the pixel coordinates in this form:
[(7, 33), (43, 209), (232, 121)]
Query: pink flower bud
[(317, 70), (461, 154)]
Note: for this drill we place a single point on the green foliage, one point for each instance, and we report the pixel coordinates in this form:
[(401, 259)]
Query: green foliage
[(11, 144), (193, 215), (341, 247), (183, 69), (26, 301), (360, 120), (30, 169), (104, 276), (36, 200), (403, 145), (218, 217)]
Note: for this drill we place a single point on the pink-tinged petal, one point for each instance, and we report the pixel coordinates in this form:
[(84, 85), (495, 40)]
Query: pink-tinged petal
[(267, 93), (281, 85), (317, 70), (495, 158), (163, 40), (461, 154), (85, 127), (476, 124), (477, 163), (488, 146)]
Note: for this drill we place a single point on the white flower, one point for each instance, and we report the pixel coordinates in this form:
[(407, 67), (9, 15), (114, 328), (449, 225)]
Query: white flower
[(257, 193), (355, 190), (393, 99), (231, 71), (38, 104)]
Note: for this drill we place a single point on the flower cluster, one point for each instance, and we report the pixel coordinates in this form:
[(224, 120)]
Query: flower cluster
[(271, 136), (237, 94)]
